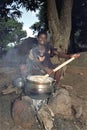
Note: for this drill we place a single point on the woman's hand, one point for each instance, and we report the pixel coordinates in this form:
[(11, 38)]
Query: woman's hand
[(75, 56), (49, 71)]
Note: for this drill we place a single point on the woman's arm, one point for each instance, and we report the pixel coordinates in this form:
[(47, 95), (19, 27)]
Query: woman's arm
[(63, 55), (66, 56)]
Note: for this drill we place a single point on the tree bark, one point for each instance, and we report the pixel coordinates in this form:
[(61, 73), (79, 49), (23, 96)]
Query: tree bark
[(60, 27)]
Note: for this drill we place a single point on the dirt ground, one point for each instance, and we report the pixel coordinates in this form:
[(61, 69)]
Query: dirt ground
[(75, 77)]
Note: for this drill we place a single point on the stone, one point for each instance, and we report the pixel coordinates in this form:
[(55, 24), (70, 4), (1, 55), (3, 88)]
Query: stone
[(60, 103), (77, 106), (23, 113), (78, 111), (46, 117)]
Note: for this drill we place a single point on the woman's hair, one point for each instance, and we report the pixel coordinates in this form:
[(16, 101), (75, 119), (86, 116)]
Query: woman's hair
[(42, 33)]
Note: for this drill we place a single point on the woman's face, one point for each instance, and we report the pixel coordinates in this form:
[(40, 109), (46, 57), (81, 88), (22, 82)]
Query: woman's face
[(42, 39)]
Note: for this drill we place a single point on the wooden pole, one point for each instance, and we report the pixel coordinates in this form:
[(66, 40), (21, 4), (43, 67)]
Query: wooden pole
[(62, 65)]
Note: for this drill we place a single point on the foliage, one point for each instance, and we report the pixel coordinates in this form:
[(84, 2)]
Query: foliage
[(11, 8), (10, 31), (42, 17), (79, 26)]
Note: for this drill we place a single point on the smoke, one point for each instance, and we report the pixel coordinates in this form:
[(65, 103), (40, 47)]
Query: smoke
[(11, 59), (17, 55)]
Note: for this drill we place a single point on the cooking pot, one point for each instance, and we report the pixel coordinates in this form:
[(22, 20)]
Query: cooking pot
[(39, 87), (42, 86), (19, 82)]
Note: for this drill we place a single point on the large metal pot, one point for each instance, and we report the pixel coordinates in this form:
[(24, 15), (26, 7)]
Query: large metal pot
[(39, 87)]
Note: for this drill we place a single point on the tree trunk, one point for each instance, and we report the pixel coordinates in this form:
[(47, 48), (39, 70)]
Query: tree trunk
[(60, 26)]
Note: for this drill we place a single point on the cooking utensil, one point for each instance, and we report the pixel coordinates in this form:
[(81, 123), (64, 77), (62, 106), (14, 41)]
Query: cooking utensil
[(60, 66), (19, 82), (37, 88)]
